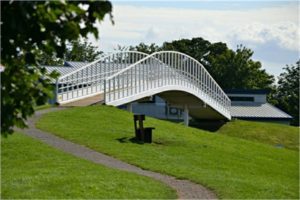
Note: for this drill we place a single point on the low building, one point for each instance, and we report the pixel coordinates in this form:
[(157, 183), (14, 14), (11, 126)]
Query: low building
[(253, 105), (245, 104)]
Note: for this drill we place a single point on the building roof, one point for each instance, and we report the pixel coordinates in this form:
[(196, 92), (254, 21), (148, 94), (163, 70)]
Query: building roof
[(68, 67), (256, 110), (76, 64), (247, 91)]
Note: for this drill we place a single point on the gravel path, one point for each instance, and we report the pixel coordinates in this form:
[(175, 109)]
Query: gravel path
[(185, 189)]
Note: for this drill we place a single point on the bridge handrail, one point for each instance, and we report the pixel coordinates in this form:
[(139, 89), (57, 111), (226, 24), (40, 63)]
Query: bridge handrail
[(86, 80), (159, 52), (165, 68), (103, 57), (132, 65)]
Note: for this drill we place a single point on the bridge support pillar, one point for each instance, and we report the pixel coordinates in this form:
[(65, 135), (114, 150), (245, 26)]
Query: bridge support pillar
[(129, 107), (186, 115)]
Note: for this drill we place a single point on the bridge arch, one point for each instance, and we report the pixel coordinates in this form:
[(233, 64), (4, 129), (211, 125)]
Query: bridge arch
[(166, 71)]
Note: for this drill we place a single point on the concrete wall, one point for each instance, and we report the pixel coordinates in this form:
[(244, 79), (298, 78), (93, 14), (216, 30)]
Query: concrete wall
[(158, 109)]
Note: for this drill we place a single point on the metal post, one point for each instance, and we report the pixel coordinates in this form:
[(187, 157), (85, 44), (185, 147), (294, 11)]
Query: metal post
[(104, 97), (186, 115), (129, 107), (56, 92)]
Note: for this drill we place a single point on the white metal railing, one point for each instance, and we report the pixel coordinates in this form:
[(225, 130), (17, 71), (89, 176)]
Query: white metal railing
[(165, 69), (89, 80)]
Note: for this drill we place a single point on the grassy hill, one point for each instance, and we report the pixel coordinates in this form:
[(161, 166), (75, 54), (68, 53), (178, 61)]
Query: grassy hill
[(232, 167), (269, 133), (33, 170)]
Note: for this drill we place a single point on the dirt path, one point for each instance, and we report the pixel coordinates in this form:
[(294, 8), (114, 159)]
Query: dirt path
[(185, 189)]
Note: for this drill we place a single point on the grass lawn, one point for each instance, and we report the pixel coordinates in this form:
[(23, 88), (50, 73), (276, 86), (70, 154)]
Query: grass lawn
[(33, 170), (232, 167), (42, 107), (269, 133)]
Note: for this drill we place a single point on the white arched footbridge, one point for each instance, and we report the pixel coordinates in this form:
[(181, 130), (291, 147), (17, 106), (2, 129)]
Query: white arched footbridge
[(124, 77)]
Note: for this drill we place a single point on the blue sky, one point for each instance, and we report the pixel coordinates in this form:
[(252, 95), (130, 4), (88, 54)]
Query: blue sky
[(203, 5), (269, 28)]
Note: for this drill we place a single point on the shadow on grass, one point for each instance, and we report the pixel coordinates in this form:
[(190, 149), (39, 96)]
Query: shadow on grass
[(129, 140), (207, 125), (136, 141)]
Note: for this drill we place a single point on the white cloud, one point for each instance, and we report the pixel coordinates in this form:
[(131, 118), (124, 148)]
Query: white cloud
[(143, 24), (253, 28), (285, 34)]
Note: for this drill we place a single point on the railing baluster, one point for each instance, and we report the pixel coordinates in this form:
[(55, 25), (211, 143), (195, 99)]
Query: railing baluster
[(140, 86), (176, 68), (114, 88), (123, 86), (144, 76), (104, 89), (127, 81), (190, 72), (150, 72), (159, 70), (196, 76), (118, 86), (135, 80), (68, 85), (109, 89), (183, 70), (173, 69), (87, 80), (131, 81), (147, 63)]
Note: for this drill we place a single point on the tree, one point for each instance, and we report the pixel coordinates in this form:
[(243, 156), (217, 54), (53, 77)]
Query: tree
[(142, 47), (231, 69), (288, 91), (196, 47), (235, 69), (82, 51), (29, 27), (77, 50)]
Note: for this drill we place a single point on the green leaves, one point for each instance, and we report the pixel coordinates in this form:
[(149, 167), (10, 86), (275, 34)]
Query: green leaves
[(77, 51), (149, 49), (288, 91), (29, 27), (21, 88)]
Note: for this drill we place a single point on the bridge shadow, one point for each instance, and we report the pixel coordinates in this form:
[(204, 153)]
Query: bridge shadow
[(207, 125)]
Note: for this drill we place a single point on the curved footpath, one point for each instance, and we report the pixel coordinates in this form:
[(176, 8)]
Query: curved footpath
[(185, 189)]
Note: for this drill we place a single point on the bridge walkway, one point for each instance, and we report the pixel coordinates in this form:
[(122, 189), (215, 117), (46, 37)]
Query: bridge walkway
[(125, 77)]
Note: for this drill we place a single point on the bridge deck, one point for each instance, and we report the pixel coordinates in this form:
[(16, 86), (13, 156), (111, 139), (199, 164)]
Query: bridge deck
[(86, 101), (126, 77)]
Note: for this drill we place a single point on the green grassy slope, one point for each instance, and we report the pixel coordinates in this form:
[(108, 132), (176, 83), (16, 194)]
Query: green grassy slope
[(269, 133), (32, 170), (42, 107), (233, 167)]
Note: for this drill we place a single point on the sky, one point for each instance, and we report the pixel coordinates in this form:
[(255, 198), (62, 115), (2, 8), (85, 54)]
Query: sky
[(270, 28)]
